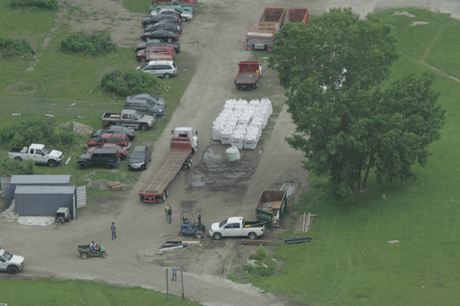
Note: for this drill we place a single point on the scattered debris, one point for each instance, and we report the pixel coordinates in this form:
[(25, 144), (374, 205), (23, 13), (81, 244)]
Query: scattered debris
[(256, 242), (417, 23), (298, 240), (393, 241), (406, 13), (170, 246), (115, 185)]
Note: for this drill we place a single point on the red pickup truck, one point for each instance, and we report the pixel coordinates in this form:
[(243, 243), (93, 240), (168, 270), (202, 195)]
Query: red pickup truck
[(248, 75), (156, 53)]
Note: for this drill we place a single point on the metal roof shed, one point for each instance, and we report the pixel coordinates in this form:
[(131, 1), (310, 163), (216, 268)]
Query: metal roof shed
[(34, 180), (44, 200)]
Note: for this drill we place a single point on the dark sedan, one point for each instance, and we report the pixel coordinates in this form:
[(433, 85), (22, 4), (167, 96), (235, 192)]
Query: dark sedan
[(164, 35), (115, 129), (170, 26)]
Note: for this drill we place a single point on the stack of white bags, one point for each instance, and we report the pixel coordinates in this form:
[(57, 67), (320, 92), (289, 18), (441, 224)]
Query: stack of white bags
[(240, 123)]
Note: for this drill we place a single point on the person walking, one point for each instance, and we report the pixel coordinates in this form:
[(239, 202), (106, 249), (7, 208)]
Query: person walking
[(170, 214), (114, 230), (166, 211), (174, 271)]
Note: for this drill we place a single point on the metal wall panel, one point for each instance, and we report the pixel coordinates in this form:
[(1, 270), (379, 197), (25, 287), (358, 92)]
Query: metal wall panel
[(4, 181), (81, 196), (34, 180), (44, 200)]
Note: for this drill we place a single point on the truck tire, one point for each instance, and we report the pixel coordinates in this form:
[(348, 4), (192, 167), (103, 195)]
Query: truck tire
[(238, 86), (143, 127), (13, 270), (255, 85), (83, 166), (217, 236), (162, 199), (104, 255), (52, 163), (269, 49), (110, 166), (249, 47), (141, 198), (252, 235), (143, 59), (84, 255), (167, 193), (199, 235), (17, 158)]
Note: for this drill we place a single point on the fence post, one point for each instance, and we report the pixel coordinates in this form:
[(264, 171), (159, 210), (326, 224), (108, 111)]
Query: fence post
[(167, 288), (182, 280)]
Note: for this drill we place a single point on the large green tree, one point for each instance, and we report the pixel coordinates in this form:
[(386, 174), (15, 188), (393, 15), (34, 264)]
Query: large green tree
[(346, 124)]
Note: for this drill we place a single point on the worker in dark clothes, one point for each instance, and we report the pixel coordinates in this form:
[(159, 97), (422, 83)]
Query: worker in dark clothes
[(170, 214), (174, 271)]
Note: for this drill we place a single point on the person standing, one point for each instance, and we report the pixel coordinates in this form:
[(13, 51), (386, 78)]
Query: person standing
[(170, 214), (174, 271), (114, 230), (166, 211)]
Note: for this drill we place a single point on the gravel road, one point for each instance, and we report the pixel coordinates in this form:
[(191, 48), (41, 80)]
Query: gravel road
[(213, 41)]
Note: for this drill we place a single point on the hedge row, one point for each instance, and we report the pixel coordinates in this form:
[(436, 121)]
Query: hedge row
[(129, 81), (99, 42), (46, 4), (24, 133), (13, 48)]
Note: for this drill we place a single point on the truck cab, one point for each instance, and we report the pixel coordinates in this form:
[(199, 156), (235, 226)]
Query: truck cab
[(11, 263), (187, 132)]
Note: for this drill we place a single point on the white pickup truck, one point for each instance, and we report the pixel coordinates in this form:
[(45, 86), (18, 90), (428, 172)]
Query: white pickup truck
[(40, 153), (11, 263), (237, 227)]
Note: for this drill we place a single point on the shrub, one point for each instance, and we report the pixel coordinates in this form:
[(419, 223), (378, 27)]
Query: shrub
[(261, 253), (100, 42), (46, 4), (14, 48), (9, 167), (128, 81), (36, 131)]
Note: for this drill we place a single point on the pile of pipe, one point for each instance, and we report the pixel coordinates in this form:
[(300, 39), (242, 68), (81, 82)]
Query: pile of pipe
[(240, 123), (297, 240)]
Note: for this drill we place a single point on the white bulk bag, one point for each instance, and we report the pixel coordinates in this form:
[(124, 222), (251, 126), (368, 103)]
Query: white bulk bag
[(233, 153)]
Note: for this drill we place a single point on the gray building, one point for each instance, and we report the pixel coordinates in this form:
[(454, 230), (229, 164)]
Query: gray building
[(34, 180), (44, 200)]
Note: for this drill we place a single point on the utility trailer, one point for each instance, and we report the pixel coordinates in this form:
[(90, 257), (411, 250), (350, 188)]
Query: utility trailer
[(248, 75), (271, 207), (183, 144)]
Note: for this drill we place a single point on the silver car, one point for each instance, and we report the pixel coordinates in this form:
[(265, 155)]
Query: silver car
[(163, 69), (186, 15)]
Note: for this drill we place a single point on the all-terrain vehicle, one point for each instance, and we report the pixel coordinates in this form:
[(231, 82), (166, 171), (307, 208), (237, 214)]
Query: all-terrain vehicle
[(62, 215), (86, 251)]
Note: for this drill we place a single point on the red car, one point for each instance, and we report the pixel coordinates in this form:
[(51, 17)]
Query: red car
[(122, 151), (118, 139)]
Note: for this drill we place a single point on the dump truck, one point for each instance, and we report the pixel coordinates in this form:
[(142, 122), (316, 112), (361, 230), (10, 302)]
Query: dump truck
[(183, 144), (271, 207), (248, 75)]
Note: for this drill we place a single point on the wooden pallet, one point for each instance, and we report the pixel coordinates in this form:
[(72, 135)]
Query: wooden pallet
[(256, 242), (115, 185)]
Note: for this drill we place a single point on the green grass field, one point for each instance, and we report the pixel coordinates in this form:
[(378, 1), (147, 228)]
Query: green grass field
[(349, 261)]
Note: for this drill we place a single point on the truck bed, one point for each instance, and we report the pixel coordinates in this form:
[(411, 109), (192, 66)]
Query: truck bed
[(165, 171), (246, 78)]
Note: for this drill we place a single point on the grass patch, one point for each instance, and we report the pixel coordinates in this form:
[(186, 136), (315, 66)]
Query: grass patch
[(79, 292), (349, 259)]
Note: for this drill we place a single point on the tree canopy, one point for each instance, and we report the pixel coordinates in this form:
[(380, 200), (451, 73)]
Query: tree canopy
[(346, 123)]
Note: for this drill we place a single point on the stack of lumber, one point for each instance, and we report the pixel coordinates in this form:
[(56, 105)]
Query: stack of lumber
[(115, 185), (304, 223)]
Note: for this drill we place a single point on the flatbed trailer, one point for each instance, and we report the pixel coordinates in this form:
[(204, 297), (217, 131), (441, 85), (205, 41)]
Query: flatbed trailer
[(155, 188)]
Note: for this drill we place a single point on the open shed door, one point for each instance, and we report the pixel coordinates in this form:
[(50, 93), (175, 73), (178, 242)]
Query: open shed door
[(81, 196)]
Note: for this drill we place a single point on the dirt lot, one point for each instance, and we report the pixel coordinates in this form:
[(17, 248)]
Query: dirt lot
[(213, 187)]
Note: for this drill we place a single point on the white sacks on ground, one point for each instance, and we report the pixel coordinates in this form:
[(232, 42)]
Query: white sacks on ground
[(240, 123), (233, 153)]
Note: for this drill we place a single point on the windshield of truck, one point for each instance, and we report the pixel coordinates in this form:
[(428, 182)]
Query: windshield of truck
[(221, 224), (46, 150), (7, 255), (139, 115)]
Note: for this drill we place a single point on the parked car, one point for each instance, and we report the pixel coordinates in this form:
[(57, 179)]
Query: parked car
[(107, 158), (160, 18), (149, 98), (186, 15), (156, 53), (164, 25), (119, 139), (165, 35), (157, 42), (145, 107), (129, 118), (115, 129), (160, 68), (122, 151), (140, 158), (11, 263)]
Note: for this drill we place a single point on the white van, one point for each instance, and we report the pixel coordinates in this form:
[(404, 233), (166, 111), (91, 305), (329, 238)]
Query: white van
[(163, 69)]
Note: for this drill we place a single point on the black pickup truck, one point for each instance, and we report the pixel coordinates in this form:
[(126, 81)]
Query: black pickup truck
[(104, 157)]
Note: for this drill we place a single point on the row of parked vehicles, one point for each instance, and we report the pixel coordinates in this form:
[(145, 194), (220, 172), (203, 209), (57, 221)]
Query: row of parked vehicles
[(161, 31)]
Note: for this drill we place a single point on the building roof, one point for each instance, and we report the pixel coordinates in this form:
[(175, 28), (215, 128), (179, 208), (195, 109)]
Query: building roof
[(45, 190), (40, 179)]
